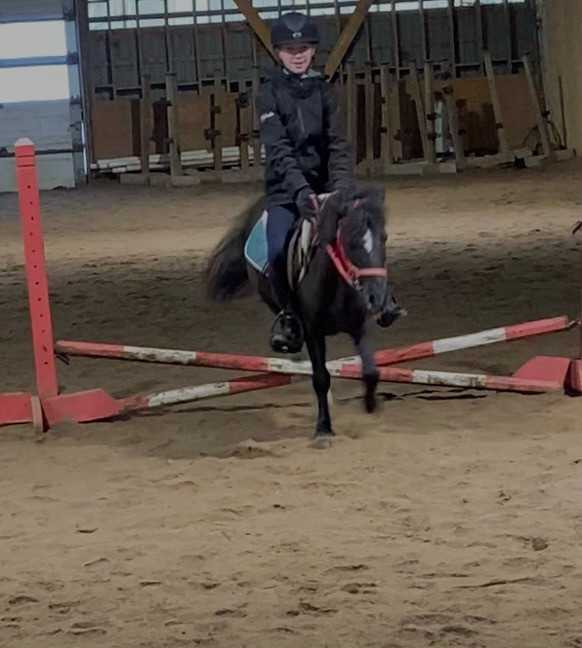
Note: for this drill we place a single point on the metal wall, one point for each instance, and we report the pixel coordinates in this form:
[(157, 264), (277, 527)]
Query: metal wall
[(450, 33)]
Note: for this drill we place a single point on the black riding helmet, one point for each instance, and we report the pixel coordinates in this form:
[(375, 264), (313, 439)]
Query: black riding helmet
[(294, 27)]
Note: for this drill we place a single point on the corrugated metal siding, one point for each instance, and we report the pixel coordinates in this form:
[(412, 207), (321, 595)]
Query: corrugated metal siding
[(24, 10)]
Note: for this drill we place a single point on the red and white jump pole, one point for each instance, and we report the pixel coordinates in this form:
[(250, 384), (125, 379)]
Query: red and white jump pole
[(337, 368), (48, 406)]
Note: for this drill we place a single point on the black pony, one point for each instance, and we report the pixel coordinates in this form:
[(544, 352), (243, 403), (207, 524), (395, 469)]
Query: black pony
[(344, 284)]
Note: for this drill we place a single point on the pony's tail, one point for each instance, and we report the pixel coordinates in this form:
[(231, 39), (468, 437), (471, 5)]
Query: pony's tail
[(226, 272)]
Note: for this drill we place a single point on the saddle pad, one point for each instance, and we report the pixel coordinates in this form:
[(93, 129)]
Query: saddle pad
[(256, 250)]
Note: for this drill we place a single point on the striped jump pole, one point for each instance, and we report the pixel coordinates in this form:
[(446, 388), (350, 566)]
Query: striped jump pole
[(283, 366), (200, 392), (490, 336)]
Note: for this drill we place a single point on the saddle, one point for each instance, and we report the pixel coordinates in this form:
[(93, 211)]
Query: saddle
[(299, 251)]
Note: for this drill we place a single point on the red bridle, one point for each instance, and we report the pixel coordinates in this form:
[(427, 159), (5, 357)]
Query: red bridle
[(350, 272)]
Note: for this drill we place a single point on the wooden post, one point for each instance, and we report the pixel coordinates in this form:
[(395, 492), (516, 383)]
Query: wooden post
[(216, 123), (429, 111), (503, 145), (453, 119), (369, 111), (420, 111), (173, 125), (145, 114), (540, 119)]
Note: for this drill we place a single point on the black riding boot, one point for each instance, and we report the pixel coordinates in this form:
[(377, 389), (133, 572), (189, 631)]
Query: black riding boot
[(287, 330)]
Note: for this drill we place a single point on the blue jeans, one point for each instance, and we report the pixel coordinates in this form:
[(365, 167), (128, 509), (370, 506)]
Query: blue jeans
[(280, 223)]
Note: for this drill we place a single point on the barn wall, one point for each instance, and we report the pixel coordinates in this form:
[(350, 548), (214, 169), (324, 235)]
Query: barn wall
[(562, 66)]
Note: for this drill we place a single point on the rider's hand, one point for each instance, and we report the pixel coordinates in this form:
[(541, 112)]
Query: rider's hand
[(307, 203)]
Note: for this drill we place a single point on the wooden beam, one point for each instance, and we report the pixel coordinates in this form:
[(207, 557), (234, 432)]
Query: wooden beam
[(346, 37), (256, 22), (540, 119), (503, 144)]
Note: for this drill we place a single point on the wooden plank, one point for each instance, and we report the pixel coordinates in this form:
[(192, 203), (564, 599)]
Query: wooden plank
[(503, 145), (257, 24), (453, 119), (420, 111), (535, 100), (429, 111), (369, 111), (194, 121), (173, 125), (112, 129), (145, 118), (346, 37)]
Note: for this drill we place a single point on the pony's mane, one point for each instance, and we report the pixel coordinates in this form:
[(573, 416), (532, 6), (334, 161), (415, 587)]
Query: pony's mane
[(353, 208)]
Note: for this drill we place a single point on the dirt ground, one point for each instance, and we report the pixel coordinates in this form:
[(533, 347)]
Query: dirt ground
[(449, 518)]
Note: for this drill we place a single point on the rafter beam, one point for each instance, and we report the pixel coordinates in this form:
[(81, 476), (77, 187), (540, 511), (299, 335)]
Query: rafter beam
[(256, 22), (346, 37)]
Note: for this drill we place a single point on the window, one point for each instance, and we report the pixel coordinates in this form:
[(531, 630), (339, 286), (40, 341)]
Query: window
[(32, 39), (35, 83)]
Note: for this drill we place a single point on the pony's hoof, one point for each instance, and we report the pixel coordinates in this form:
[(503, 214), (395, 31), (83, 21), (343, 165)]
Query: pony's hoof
[(322, 441), (370, 403)]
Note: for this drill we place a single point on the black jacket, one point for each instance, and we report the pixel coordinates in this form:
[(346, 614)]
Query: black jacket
[(300, 131)]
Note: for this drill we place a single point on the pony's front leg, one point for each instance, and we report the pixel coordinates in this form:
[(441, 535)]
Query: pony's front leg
[(315, 342), (369, 369)]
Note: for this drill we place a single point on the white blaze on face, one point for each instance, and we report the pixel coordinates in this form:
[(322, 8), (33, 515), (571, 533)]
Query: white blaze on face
[(368, 241)]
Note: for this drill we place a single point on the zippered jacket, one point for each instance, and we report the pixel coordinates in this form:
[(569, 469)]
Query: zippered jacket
[(304, 146)]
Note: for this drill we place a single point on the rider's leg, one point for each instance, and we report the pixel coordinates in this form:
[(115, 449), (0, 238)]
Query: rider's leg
[(285, 335)]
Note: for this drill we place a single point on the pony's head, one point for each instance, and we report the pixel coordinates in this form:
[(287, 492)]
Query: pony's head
[(355, 218)]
